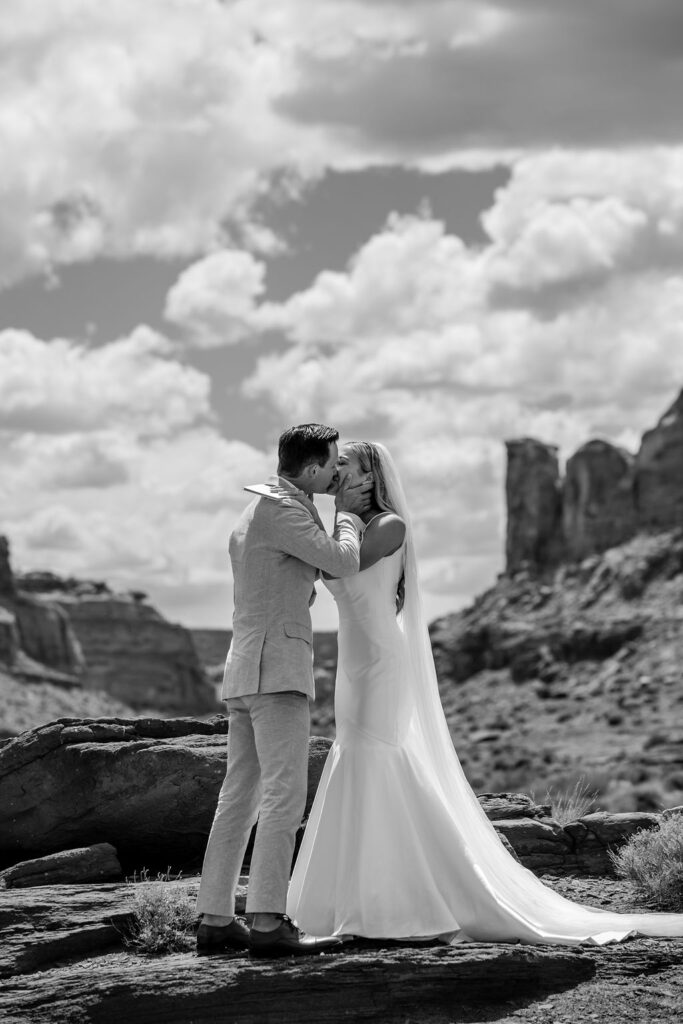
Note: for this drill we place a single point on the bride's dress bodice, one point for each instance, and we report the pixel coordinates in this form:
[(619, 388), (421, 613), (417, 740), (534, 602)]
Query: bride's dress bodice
[(370, 698)]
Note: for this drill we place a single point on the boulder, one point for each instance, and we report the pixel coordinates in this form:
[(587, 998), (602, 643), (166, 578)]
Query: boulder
[(534, 506), (87, 864), (594, 835), (659, 472), (542, 846), (598, 508), (504, 806), (148, 786)]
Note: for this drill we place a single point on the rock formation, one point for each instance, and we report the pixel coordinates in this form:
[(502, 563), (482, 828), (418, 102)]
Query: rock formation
[(9, 637), (46, 634), (136, 655), (606, 497), (534, 528), (598, 508), (74, 632), (659, 472), (96, 863), (35, 631), (545, 679), (148, 786), (7, 587), (367, 981)]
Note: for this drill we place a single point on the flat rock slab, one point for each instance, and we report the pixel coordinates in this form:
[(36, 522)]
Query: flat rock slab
[(39, 926), (368, 985), (62, 959)]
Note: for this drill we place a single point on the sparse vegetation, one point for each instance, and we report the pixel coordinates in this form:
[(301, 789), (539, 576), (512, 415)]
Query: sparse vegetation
[(568, 805), (652, 861), (163, 915)]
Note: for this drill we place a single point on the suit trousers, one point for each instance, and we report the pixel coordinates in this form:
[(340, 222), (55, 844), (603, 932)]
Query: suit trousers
[(266, 780)]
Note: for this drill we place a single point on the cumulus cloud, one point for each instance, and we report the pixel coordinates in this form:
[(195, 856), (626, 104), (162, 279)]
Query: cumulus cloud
[(63, 387), (55, 528), (215, 298), (128, 128), (502, 77), (162, 527), (69, 461), (154, 128)]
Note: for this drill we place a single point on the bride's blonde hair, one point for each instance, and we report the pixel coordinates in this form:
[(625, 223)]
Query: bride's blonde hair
[(370, 461)]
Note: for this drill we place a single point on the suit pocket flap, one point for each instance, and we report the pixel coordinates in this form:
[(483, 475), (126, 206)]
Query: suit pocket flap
[(298, 630)]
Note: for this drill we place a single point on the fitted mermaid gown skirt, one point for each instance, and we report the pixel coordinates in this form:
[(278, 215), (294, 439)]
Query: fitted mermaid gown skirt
[(397, 845)]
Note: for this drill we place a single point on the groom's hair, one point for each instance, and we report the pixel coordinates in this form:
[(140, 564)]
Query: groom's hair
[(299, 446)]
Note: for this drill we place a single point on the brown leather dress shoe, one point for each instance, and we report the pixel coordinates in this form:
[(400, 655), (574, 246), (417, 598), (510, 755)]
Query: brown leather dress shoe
[(287, 940), (230, 936)]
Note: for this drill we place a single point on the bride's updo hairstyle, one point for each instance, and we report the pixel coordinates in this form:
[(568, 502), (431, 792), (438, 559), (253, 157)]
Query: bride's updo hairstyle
[(370, 462)]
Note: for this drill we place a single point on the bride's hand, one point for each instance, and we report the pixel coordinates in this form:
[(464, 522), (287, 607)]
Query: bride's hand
[(355, 498)]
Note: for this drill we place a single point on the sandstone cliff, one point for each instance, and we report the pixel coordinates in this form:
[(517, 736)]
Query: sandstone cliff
[(79, 634), (606, 497)]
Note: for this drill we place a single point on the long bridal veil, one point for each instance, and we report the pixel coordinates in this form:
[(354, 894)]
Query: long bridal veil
[(510, 902)]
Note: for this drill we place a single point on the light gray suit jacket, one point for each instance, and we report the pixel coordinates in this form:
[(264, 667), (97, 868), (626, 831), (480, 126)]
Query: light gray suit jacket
[(277, 549)]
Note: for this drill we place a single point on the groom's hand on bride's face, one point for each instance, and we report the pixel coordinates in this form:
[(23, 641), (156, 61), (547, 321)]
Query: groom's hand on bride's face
[(355, 498)]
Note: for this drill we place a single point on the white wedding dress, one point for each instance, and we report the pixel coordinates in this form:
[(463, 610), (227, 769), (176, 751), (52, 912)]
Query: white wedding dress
[(397, 844)]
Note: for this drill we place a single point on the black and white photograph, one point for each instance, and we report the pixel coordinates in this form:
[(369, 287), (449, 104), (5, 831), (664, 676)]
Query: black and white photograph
[(341, 511)]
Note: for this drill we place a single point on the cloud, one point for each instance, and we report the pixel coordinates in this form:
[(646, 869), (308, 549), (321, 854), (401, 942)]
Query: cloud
[(131, 129), (65, 462), (55, 528), (508, 76), (61, 386), (162, 527), (215, 298), (155, 128)]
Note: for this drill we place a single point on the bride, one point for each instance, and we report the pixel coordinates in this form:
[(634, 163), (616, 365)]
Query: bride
[(397, 844)]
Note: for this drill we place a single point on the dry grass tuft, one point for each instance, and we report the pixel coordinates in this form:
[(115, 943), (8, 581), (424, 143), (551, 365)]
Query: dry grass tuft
[(569, 805), (652, 861), (163, 916)]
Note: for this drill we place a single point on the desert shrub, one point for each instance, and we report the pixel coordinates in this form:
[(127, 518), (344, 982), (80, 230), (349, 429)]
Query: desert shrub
[(162, 915), (568, 805), (652, 861)]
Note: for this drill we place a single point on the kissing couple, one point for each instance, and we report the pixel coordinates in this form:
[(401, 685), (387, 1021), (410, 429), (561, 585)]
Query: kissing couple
[(397, 845)]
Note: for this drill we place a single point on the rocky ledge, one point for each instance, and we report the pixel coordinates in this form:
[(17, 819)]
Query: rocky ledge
[(149, 787), (63, 958)]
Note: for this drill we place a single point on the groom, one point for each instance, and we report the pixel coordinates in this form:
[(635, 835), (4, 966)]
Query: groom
[(277, 550)]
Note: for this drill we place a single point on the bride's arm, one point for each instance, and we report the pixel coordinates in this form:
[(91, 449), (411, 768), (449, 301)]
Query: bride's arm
[(383, 536)]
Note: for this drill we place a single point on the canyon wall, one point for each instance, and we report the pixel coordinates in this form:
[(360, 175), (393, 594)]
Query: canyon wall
[(606, 497), (81, 633)]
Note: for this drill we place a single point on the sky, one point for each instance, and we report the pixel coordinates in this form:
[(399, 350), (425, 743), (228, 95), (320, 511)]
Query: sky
[(438, 224)]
